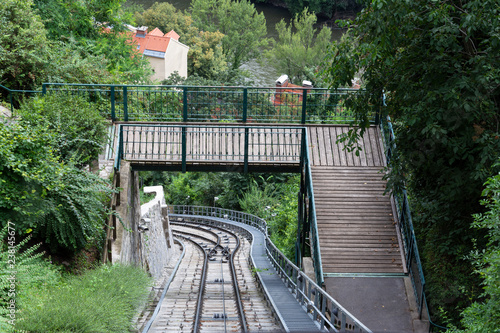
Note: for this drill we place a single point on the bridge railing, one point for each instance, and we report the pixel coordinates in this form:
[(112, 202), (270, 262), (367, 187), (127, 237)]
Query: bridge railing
[(405, 224), (224, 145), (316, 301), (204, 103)]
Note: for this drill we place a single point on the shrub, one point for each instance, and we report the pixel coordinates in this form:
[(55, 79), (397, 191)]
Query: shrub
[(81, 131), (57, 201)]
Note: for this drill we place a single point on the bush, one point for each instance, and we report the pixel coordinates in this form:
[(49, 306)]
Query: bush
[(81, 131), (103, 300), (56, 201)]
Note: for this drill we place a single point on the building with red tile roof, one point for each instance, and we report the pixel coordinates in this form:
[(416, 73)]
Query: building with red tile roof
[(164, 51)]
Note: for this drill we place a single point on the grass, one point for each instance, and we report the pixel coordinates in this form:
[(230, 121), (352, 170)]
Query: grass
[(101, 300)]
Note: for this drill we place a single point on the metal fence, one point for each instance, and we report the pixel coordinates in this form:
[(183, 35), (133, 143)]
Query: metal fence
[(405, 224), (215, 104), (316, 301), (307, 232), (15, 97)]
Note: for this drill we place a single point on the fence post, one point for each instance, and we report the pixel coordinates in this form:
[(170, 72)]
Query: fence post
[(11, 101), (245, 104), (44, 89), (245, 157), (113, 111), (304, 106), (125, 104), (184, 104), (183, 148)]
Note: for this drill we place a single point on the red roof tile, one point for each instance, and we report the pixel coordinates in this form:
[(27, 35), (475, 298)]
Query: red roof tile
[(172, 34), (156, 32)]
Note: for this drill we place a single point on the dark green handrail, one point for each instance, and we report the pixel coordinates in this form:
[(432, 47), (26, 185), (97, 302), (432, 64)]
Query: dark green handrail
[(12, 92), (405, 223)]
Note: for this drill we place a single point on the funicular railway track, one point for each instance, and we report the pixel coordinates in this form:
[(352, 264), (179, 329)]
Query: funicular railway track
[(214, 290)]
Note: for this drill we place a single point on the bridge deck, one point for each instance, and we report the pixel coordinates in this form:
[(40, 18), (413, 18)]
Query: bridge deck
[(356, 227)]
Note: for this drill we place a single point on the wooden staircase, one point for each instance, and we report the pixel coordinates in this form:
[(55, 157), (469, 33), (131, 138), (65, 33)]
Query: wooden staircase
[(356, 226)]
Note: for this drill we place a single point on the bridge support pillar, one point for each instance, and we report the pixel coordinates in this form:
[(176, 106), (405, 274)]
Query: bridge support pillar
[(126, 247)]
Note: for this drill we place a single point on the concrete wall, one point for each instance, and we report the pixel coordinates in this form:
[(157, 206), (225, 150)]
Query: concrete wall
[(143, 237), (157, 240)]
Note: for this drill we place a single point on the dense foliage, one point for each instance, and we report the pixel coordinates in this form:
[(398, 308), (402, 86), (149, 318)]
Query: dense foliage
[(439, 65), (484, 315), (54, 200), (64, 41), (80, 132), (269, 196), (243, 27)]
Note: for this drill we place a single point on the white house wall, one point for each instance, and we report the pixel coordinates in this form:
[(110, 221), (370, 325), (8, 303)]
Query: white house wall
[(176, 58)]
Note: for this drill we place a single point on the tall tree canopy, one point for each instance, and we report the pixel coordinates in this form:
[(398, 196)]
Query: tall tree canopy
[(439, 65), (300, 49), (243, 27)]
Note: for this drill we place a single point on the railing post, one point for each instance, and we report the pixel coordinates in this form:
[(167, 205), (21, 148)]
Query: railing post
[(184, 148), (11, 101), (125, 104), (184, 104), (304, 106), (44, 89), (245, 157), (113, 111), (245, 104)]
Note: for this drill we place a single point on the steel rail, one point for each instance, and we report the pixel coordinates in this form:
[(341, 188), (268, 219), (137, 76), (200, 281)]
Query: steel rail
[(234, 279), (202, 285), (165, 287), (217, 244)]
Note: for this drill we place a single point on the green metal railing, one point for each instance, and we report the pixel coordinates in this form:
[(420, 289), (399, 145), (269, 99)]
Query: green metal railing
[(210, 144), (203, 103), (14, 97), (307, 231), (405, 224)]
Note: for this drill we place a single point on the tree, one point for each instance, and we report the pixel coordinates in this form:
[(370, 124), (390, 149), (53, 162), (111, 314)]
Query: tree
[(24, 49), (484, 315), (438, 63), (205, 56), (244, 29), (298, 54)]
